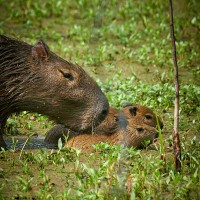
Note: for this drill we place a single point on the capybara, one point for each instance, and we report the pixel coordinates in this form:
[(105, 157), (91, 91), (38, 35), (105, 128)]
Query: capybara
[(108, 126), (58, 131), (134, 136), (142, 113), (134, 130), (32, 78), (131, 126)]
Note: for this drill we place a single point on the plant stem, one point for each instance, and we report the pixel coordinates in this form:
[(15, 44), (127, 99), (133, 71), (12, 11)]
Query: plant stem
[(176, 139)]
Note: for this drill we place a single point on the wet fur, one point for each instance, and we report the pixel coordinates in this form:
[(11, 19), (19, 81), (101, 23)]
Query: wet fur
[(129, 126), (32, 78)]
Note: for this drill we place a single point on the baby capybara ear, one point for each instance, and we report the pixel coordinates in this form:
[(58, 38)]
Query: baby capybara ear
[(133, 110), (40, 52)]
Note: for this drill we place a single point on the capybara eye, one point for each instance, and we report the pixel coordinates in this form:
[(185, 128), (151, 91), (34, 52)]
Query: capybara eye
[(68, 76), (139, 129), (148, 117), (133, 111)]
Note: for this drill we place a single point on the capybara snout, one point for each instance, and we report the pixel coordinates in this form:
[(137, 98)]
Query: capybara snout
[(102, 108)]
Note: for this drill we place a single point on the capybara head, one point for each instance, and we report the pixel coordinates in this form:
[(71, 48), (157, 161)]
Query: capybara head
[(33, 78), (137, 134), (110, 123), (141, 125), (143, 114)]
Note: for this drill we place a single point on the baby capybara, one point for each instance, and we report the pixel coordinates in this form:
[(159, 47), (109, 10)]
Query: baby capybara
[(130, 126), (143, 113), (134, 130), (108, 125), (134, 136), (32, 78)]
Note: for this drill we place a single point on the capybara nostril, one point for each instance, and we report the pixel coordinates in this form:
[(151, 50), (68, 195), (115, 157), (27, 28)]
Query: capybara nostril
[(103, 108), (116, 118), (104, 113)]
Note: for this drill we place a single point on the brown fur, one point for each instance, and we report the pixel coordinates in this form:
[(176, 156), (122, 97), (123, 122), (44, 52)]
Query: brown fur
[(143, 114), (134, 136), (109, 125), (33, 78), (130, 126)]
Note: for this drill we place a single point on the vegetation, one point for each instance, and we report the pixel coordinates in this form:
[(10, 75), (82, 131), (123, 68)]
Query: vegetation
[(125, 45)]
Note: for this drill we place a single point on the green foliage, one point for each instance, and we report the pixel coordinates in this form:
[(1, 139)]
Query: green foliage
[(156, 96), (103, 174), (127, 45)]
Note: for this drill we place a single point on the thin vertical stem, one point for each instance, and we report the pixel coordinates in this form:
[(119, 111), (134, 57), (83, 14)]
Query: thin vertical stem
[(176, 139)]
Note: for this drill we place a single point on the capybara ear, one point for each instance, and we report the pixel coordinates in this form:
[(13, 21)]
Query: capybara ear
[(40, 52), (133, 111)]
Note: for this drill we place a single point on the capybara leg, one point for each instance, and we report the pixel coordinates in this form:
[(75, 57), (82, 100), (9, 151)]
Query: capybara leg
[(2, 142), (2, 125)]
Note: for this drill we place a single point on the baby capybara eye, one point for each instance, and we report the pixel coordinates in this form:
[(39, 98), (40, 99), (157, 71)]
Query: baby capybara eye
[(139, 129), (133, 111), (148, 117)]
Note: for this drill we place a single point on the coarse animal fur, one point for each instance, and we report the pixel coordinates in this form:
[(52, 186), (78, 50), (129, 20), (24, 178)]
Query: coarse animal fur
[(130, 126), (32, 78)]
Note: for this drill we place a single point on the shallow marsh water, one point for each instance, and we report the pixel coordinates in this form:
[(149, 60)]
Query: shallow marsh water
[(24, 142)]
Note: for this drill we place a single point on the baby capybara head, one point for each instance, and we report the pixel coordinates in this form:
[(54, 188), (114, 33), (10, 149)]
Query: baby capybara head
[(142, 114), (141, 126), (110, 123), (137, 134), (33, 78)]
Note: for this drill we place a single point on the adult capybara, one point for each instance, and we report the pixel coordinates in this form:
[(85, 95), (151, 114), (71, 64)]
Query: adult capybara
[(33, 78), (130, 126)]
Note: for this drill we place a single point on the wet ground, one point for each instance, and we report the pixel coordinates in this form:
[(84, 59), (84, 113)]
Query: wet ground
[(24, 142)]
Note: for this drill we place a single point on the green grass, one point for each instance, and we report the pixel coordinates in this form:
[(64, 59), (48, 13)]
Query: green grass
[(125, 45)]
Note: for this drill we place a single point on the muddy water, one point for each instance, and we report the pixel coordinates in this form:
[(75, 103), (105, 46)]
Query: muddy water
[(34, 142)]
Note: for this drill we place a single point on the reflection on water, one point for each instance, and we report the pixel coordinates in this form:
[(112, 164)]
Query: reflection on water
[(35, 142)]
